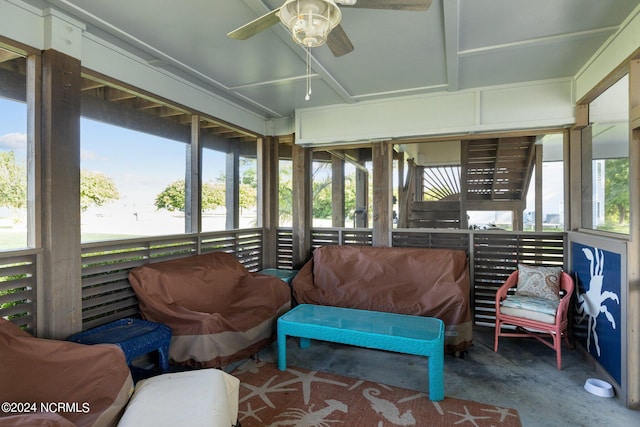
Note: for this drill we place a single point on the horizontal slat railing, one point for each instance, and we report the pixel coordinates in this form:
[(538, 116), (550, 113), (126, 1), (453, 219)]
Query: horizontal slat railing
[(107, 295), (18, 285), (284, 248), (422, 238), (496, 254), (106, 292)]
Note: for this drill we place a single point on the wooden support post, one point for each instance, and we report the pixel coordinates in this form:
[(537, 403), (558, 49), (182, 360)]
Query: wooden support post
[(538, 188), (60, 186), (464, 179), (361, 215), (268, 212), (633, 252), (400, 189), (337, 192), (573, 170), (382, 182), (193, 180), (301, 204), (232, 185)]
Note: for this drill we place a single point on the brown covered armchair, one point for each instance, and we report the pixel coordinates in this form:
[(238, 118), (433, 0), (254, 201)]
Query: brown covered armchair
[(65, 384), (94, 382), (218, 311)]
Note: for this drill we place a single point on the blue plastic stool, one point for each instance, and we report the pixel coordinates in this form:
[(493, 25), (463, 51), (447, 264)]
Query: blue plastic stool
[(135, 337)]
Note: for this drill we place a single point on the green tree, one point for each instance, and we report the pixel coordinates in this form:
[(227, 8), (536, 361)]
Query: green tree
[(96, 189), (616, 188), (213, 195), (172, 198), (285, 191), (13, 181), (248, 183), (321, 190)]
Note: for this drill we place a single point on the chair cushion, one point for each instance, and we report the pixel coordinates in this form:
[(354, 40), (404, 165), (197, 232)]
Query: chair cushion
[(533, 308), (205, 397), (539, 281)]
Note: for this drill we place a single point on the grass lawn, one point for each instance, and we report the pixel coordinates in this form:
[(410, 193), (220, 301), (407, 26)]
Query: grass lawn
[(11, 239)]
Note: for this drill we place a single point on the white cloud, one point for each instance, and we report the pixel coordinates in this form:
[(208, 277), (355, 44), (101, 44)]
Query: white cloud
[(13, 141), (88, 155)]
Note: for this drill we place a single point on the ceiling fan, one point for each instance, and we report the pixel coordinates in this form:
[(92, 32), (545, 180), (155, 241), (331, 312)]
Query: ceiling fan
[(314, 22)]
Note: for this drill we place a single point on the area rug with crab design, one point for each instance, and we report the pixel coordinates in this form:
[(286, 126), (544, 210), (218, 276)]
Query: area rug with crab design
[(303, 398)]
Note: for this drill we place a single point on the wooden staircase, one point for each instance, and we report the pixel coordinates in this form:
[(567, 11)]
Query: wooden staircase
[(494, 176)]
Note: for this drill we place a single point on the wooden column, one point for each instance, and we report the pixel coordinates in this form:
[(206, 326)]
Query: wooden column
[(193, 180), (586, 169), (301, 204), (361, 216), (232, 185), (538, 186), (268, 198), (633, 251), (464, 179), (573, 170), (382, 190), (337, 192), (400, 189), (60, 187)]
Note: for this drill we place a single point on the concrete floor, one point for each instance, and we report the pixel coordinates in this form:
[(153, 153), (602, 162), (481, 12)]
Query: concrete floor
[(522, 376)]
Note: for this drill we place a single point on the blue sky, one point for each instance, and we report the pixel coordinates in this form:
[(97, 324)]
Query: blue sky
[(140, 164)]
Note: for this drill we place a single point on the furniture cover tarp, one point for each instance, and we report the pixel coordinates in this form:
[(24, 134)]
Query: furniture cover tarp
[(415, 281), (92, 383), (218, 311)]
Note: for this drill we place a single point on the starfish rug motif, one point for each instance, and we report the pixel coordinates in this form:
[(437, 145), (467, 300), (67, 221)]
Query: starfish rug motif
[(302, 398)]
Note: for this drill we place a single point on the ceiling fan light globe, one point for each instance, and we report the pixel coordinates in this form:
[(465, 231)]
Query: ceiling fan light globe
[(310, 31), (310, 21)]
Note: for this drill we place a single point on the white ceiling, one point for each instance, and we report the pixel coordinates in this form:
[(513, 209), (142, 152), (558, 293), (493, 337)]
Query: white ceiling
[(455, 45)]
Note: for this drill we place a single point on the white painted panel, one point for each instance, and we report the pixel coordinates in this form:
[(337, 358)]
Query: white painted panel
[(610, 55), (63, 33), (533, 103), (22, 23), (397, 117)]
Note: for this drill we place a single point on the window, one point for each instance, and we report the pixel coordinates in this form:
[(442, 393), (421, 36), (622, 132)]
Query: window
[(321, 194), (285, 193), (609, 145), (132, 183), (552, 194), (214, 212), (13, 152), (248, 200)]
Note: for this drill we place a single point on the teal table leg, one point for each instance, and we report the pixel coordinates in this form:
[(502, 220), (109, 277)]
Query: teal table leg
[(305, 343), (282, 351), (436, 376)]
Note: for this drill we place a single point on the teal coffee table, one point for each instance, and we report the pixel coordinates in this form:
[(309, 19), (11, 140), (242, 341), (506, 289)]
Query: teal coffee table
[(422, 336)]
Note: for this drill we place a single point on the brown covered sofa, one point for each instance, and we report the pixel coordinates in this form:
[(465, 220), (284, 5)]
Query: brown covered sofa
[(416, 281), (94, 381), (217, 310)]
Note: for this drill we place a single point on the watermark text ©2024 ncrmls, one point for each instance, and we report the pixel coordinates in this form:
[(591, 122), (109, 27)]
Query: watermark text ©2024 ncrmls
[(57, 407)]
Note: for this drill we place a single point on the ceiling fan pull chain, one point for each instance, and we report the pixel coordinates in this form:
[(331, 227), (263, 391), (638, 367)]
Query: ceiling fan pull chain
[(308, 95)]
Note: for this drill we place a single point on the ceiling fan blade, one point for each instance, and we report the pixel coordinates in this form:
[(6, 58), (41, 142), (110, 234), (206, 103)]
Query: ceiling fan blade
[(256, 26), (410, 5), (339, 42)]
